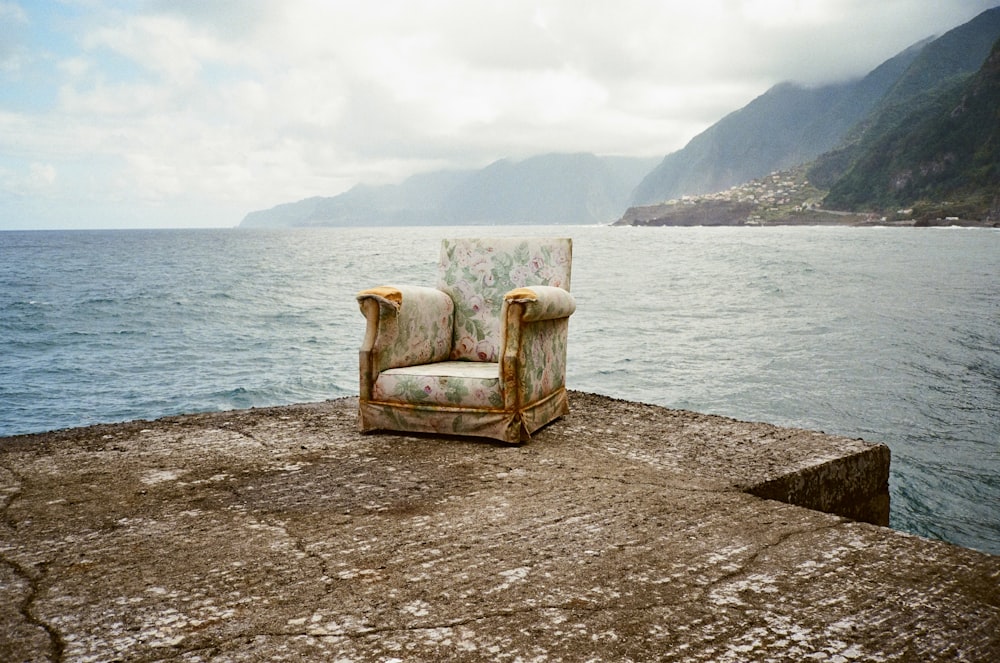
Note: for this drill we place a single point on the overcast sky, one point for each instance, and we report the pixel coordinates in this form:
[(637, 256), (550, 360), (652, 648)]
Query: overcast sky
[(193, 112)]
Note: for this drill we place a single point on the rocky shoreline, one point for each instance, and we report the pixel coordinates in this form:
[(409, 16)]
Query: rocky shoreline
[(780, 199), (848, 220)]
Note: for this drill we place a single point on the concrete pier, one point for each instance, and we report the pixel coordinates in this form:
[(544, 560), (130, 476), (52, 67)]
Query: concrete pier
[(622, 532)]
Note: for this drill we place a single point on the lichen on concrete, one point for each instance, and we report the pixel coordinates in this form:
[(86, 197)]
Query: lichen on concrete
[(620, 532)]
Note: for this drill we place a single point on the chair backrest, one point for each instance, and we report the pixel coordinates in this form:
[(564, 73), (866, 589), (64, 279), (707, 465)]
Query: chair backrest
[(477, 273)]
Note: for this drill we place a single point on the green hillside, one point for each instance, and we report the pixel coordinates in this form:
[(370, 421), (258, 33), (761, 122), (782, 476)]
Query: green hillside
[(939, 64), (785, 127), (835, 125), (942, 158)]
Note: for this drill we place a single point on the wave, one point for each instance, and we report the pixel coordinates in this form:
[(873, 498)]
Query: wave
[(885, 333)]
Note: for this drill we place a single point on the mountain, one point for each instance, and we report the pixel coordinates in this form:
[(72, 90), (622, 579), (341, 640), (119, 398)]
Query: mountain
[(855, 131), (946, 148), (552, 188), (938, 157), (958, 52), (935, 159), (416, 201), (556, 188), (790, 125), (944, 62), (786, 126)]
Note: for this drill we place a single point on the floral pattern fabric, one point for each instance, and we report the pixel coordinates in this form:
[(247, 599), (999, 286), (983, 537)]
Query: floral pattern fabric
[(465, 383), (542, 369), (415, 330), (477, 273)]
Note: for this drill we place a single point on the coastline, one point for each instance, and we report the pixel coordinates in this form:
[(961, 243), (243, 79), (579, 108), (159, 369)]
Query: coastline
[(816, 218)]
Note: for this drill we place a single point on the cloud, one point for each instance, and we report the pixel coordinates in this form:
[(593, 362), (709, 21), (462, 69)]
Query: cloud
[(41, 175), (12, 22), (34, 180), (242, 104)]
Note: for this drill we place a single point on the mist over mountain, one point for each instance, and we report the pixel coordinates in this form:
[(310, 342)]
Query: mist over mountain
[(418, 200), (861, 132), (943, 64), (555, 188), (943, 157), (786, 126), (925, 137), (958, 52), (552, 188)]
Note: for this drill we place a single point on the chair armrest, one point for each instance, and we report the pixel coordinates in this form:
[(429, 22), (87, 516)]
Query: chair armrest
[(407, 325), (533, 361), (542, 302)]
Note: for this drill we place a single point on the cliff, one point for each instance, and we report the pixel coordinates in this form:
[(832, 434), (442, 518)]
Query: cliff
[(941, 159), (785, 127)]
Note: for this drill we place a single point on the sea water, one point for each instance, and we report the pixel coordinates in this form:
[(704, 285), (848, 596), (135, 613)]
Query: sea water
[(890, 334)]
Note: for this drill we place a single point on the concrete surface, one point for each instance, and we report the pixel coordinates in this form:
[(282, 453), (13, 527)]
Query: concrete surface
[(621, 532)]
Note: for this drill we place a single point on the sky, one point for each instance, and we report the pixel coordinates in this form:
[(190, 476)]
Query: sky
[(192, 113)]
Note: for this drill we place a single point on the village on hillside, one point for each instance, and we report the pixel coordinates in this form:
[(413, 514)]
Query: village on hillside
[(780, 198)]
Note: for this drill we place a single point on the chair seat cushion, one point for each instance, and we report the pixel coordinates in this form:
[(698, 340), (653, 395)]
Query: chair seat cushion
[(456, 383)]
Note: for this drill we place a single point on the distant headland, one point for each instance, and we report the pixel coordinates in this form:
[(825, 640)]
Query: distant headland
[(785, 198)]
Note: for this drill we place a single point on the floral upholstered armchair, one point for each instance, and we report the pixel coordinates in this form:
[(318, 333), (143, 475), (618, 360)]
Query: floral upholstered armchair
[(483, 353)]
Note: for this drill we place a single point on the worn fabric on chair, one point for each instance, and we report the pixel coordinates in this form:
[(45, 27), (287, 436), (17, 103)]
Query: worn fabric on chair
[(468, 383), (477, 273), (482, 354)]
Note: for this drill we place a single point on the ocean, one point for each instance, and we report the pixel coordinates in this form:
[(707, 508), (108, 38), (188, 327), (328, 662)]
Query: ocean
[(890, 334)]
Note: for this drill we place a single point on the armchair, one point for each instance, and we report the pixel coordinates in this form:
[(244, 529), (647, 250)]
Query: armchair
[(482, 354)]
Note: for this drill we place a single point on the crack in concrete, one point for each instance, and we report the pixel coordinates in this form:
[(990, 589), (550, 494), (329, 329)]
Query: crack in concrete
[(300, 545), (239, 429), (7, 498), (56, 643), (297, 541), (783, 538)]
